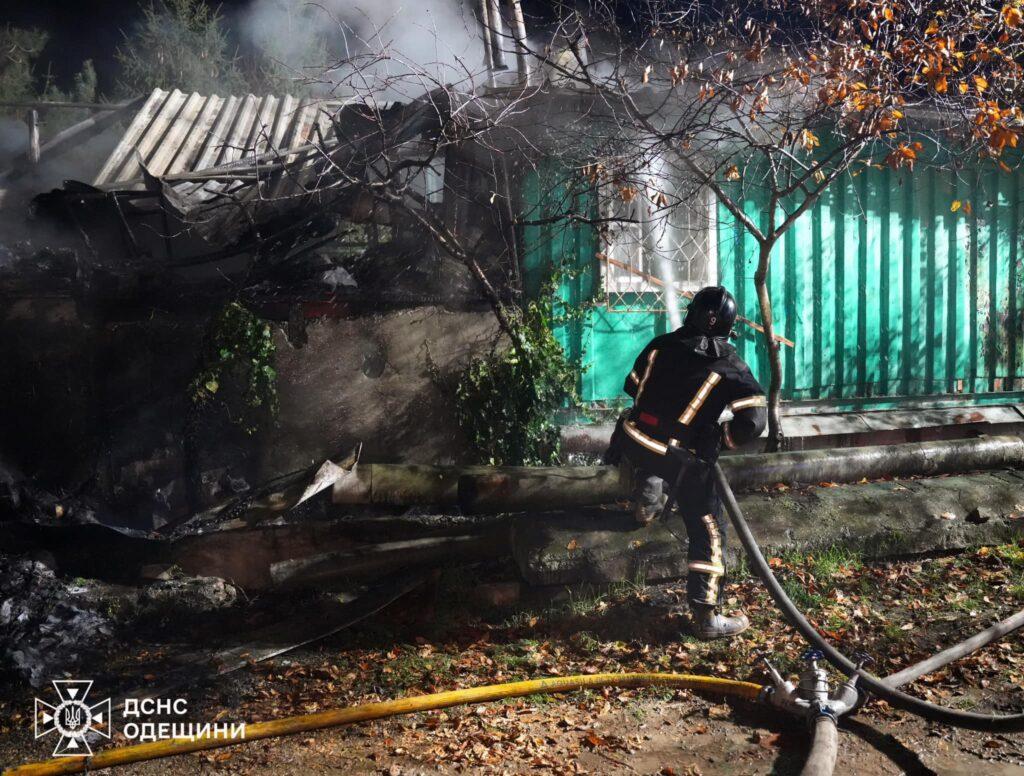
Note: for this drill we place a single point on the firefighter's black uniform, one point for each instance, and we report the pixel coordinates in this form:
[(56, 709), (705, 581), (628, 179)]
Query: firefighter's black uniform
[(681, 383)]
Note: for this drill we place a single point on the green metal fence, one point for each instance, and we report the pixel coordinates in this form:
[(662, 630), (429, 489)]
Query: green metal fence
[(895, 284), (887, 288)]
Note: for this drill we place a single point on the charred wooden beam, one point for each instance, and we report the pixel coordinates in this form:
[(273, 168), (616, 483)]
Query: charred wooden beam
[(482, 489), (379, 559), (52, 105), (71, 137)]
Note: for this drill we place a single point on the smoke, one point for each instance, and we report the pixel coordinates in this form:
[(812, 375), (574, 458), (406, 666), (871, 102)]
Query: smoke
[(404, 47), (13, 138)]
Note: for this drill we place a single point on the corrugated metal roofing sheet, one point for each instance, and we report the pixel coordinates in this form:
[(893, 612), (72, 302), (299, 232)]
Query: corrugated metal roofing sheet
[(176, 133)]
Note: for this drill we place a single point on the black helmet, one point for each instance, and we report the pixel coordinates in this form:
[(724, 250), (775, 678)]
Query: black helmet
[(712, 312)]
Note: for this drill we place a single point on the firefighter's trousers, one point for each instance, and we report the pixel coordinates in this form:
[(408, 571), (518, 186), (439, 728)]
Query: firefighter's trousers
[(696, 500)]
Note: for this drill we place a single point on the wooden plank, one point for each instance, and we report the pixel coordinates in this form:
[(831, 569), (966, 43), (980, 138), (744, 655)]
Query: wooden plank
[(686, 294), (33, 137), (51, 105), (69, 138)]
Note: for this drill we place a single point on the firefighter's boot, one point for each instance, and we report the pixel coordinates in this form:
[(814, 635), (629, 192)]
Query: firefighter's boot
[(710, 624), (644, 514)]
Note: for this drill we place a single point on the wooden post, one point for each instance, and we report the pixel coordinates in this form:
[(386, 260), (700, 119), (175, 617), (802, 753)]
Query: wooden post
[(33, 136), (72, 137), (496, 489)]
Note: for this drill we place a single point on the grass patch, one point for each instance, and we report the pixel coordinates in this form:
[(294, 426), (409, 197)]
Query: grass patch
[(804, 599), (586, 642), (581, 601), (741, 571), (893, 632), (408, 669), (835, 560), (515, 657), (1010, 554)]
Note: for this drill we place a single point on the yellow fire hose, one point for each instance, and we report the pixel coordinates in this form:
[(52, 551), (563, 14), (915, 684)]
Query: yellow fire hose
[(367, 711)]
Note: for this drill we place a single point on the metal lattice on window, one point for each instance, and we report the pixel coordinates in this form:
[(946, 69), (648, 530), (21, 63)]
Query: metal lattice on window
[(654, 238)]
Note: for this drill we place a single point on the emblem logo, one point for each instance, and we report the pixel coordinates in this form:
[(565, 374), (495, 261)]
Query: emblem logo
[(72, 718)]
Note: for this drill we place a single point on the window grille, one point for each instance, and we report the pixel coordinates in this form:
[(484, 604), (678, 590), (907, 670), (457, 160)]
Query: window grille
[(653, 238)]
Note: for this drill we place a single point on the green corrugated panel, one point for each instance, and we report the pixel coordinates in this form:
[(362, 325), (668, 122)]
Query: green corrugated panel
[(884, 289), (889, 292), (605, 341), (548, 247)]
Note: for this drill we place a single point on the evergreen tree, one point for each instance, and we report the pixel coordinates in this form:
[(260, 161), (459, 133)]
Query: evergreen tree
[(180, 44)]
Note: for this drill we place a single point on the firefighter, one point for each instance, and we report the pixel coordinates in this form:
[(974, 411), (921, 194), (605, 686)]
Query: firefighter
[(680, 384)]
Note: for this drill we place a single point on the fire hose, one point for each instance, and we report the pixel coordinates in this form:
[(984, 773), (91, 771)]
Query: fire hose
[(992, 723), (369, 711)]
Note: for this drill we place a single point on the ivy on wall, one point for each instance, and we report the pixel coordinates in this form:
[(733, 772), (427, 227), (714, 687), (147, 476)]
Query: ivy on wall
[(506, 401), (236, 369)]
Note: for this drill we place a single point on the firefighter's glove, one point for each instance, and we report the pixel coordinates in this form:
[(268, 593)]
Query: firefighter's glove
[(708, 443)]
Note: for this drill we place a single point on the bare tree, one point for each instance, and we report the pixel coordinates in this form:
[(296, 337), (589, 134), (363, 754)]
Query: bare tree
[(776, 101)]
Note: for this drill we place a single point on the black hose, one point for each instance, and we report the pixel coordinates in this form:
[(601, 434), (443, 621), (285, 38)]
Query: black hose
[(992, 723), (957, 651)]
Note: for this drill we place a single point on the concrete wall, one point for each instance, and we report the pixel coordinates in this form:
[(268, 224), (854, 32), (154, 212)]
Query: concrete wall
[(368, 380), (105, 402)]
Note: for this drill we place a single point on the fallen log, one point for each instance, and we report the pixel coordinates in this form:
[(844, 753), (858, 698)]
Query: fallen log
[(378, 559), (852, 464), (482, 489)]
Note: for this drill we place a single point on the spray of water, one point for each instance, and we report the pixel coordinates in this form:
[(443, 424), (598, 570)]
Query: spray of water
[(657, 238)]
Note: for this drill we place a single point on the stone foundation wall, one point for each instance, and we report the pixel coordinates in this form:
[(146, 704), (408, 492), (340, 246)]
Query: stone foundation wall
[(105, 404)]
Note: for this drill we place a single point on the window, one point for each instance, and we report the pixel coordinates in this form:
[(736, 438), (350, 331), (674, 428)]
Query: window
[(655, 238), (415, 164)]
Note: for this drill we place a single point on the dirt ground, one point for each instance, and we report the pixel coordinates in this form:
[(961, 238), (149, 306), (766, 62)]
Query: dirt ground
[(445, 638)]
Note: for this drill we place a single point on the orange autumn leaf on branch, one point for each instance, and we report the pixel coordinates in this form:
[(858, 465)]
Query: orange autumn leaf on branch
[(809, 140), (904, 155), (1012, 16)]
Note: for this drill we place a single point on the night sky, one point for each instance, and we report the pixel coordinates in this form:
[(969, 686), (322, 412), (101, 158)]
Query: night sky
[(79, 30), (84, 29)]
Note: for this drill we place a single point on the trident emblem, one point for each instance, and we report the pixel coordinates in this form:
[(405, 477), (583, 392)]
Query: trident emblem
[(72, 718)]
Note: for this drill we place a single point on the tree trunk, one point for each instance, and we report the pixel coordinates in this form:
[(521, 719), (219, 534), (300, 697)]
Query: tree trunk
[(774, 361)]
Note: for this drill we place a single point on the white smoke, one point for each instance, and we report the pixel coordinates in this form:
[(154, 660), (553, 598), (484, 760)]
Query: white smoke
[(13, 138), (419, 42)]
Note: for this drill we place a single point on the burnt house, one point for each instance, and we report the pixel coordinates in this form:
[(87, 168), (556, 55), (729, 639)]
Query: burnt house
[(274, 200)]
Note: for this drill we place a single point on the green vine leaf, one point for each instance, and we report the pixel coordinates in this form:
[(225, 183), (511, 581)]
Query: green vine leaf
[(238, 354), (506, 401)]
